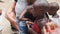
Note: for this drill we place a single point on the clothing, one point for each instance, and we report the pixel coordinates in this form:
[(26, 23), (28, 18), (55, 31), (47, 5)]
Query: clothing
[(35, 25), (35, 28), (20, 6), (22, 26)]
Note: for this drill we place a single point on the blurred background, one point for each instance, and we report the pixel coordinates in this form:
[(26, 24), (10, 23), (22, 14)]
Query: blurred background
[(4, 22)]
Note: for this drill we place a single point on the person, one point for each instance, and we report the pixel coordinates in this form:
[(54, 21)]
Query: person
[(40, 8), (54, 7), (19, 6), (39, 27), (11, 16)]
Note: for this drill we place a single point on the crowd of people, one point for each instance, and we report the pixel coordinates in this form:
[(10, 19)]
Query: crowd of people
[(32, 16)]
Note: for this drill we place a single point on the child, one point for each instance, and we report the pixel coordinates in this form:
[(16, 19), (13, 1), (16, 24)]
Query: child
[(54, 7), (40, 8)]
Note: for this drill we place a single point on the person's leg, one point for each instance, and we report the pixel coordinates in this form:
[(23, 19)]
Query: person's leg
[(23, 29)]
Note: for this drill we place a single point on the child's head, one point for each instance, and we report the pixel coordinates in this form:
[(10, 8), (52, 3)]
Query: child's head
[(54, 7), (40, 7)]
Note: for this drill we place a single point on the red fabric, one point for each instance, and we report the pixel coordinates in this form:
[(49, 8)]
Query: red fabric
[(35, 28)]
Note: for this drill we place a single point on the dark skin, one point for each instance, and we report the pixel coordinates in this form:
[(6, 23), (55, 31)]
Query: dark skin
[(41, 25), (52, 11), (39, 13), (54, 7)]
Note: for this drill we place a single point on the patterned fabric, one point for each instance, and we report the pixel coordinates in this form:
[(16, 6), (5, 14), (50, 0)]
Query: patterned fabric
[(22, 26)]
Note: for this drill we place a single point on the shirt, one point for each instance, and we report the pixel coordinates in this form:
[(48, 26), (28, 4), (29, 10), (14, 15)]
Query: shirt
[(20, 6)]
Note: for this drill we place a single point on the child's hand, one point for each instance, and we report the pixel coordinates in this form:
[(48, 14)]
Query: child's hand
[(52, 25), (29, 22), (56, 31)]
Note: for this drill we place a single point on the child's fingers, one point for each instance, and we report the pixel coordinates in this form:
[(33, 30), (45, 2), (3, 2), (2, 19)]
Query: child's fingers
[(48, 27), (28, 22), (44, 30)]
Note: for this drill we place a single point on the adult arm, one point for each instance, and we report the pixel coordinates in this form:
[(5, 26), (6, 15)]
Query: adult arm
[(9, 17)]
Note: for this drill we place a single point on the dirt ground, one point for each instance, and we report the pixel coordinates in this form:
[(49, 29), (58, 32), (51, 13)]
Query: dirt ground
[(4, 22)]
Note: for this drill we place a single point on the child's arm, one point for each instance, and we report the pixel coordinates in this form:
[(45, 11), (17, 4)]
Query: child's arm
[(23, 13), (25, 19)]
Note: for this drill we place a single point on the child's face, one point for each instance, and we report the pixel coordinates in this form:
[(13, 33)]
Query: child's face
[(52, 11)]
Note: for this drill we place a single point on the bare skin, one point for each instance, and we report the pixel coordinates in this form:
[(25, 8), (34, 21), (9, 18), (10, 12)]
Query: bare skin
[(54, 7), (12, 18)]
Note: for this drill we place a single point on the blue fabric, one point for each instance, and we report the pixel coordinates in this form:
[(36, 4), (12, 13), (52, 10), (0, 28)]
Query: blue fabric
[(22, 26)]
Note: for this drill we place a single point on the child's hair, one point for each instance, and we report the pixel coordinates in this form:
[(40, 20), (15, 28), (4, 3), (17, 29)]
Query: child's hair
[(41, 3), (54, 5), (30, 2)]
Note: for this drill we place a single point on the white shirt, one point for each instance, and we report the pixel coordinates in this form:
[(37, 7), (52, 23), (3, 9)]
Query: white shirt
[(20, 6)]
